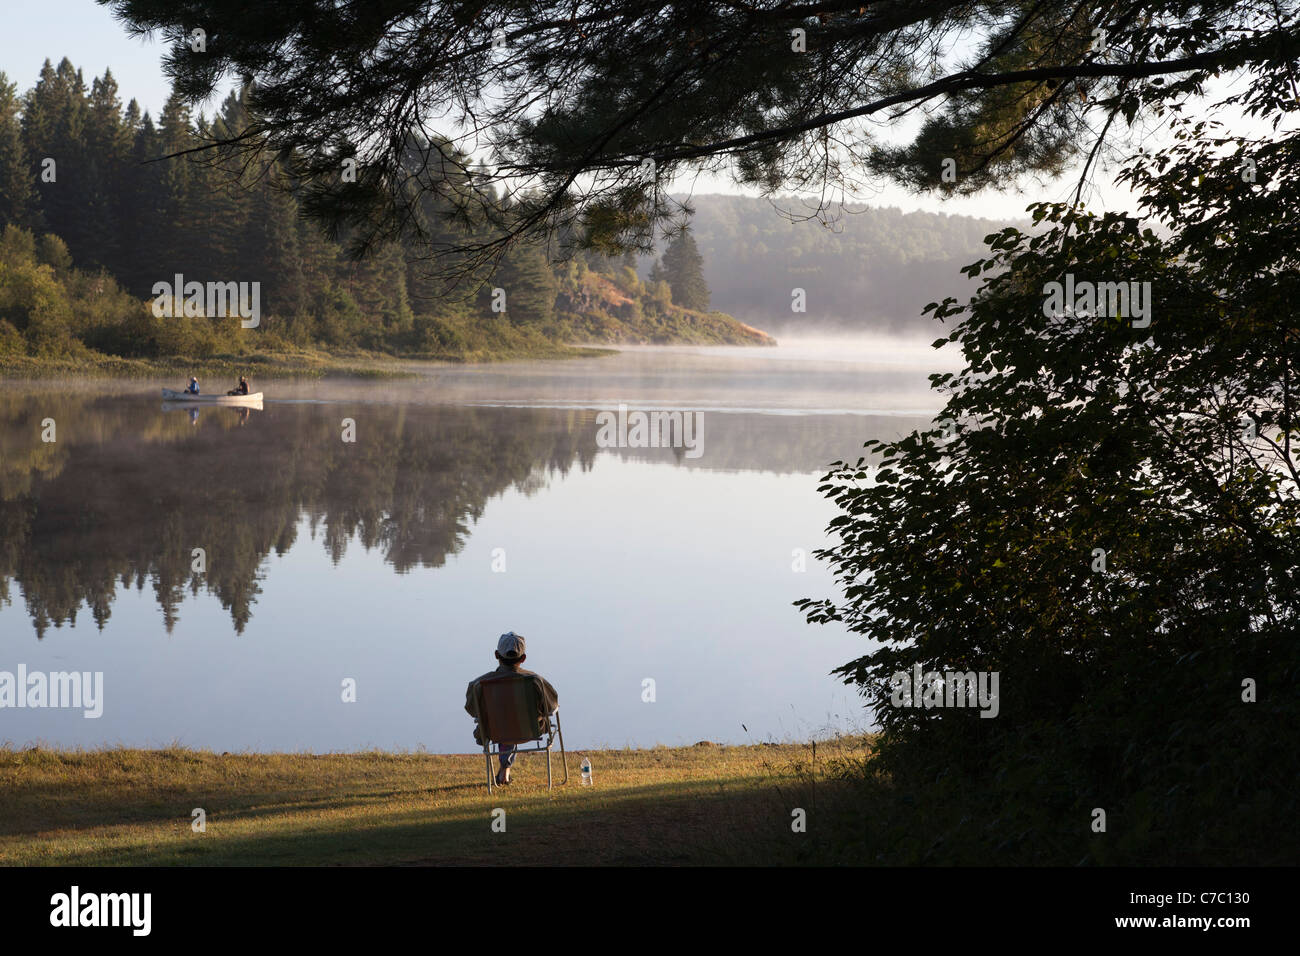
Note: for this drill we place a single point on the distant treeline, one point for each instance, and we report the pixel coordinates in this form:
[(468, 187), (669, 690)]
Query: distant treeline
[(93, 218), (870, 269)]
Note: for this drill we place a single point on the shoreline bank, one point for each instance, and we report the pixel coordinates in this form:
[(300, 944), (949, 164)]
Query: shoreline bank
[(705, 803)]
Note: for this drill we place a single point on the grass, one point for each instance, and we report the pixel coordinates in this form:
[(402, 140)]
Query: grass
[(300, 363), (705, 804), (307, 364)]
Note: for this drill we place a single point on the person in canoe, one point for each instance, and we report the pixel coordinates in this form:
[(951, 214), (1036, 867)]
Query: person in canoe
[(193, 387), (241, 388)]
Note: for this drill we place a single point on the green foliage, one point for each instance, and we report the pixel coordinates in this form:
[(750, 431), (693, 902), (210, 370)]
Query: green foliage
[(17, 195), (127, 221), (1121, 688), (1006, 89), (661, 294), (683, 268), (529, 283), (53, 252), (11, 341)]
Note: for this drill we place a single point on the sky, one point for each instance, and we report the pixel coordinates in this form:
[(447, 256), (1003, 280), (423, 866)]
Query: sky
[(93, 40)]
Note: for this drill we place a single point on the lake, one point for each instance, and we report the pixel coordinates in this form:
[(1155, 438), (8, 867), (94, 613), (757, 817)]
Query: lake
[(229, 571)]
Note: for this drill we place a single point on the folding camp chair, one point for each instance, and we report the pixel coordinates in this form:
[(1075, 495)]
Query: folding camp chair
[(508, 709)]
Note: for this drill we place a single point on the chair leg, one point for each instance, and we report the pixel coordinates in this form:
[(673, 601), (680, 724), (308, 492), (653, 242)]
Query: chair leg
[(549, 785), (560, 731), (487, 758)]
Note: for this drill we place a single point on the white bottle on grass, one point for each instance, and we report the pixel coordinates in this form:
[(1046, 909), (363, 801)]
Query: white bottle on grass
[(586, 772)]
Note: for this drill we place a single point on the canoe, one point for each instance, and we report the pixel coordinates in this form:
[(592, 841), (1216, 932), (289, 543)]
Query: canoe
[(254, 398)]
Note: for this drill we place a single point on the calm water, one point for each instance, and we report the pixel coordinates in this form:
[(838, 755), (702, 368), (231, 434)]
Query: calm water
[(473, 501)]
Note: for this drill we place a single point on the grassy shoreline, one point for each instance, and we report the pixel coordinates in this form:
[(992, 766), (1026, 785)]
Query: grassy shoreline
[(704, 804), (272, 365)]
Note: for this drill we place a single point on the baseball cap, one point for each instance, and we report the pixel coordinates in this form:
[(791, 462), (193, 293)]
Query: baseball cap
[(511, 645)]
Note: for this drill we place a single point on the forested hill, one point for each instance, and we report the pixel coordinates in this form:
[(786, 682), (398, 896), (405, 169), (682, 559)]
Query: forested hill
[(91, 221), (873, 269)]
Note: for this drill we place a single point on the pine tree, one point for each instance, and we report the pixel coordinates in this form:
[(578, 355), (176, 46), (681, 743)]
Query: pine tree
[(142, 212), (430, 293), (107, 145), (529, 283), (269, 252), (230, 195), (683, 267), (54, 129), (17, 194), (125, 213), (657, 273), (178, 229)]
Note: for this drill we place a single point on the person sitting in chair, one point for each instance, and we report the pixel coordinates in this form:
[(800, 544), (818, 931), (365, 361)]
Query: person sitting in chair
[(510, 654)]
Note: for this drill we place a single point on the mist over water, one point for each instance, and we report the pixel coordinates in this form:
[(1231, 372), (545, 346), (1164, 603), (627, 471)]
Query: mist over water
[(867, 374), (474, 500)]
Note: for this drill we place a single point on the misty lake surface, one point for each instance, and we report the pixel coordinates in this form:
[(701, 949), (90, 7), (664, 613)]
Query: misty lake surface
[(474, 500)]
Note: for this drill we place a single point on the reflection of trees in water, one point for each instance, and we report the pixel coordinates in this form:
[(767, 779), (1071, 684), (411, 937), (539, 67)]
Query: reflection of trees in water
[(783, 444), (126, 493)]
